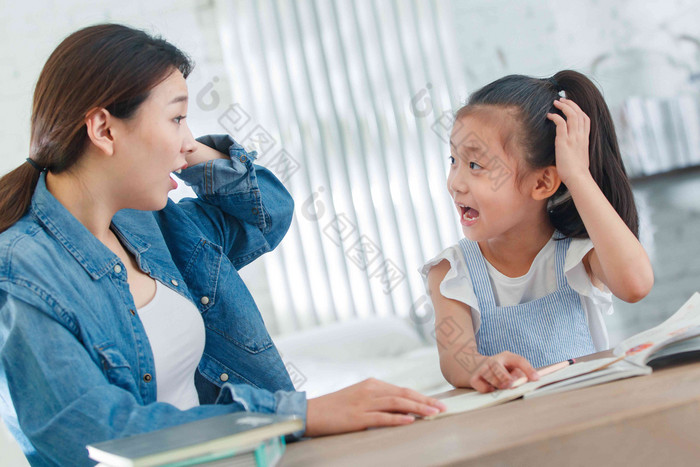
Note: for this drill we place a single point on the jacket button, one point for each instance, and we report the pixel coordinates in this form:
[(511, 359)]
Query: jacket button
[(117, 269), (147, 377), (243, 158), (255, 210), (174, 282), (224, 377), (204, 300)]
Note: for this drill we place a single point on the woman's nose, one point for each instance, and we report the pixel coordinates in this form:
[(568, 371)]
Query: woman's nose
[(189, 144)]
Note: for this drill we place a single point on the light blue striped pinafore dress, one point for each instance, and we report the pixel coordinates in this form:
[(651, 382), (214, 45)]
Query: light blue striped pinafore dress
[(546, 330)]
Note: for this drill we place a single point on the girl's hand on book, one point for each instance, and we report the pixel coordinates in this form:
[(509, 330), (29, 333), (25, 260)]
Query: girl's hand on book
[(371, 403), (571, 142), (500, 371)]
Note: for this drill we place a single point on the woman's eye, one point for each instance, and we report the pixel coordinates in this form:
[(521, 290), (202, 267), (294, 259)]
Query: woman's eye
[(178, 119), (474, 166), (452, 160)]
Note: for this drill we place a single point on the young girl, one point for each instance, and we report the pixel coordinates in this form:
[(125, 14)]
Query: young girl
[(122, 312), (551, 231)]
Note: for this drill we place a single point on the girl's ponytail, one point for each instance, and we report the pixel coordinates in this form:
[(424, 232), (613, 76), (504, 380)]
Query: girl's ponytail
[(606, 165)]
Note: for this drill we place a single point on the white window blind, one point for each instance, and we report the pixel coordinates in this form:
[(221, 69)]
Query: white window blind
[(350, 104)]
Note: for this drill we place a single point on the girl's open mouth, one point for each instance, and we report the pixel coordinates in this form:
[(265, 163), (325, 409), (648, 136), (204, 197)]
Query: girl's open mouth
[(468, 215)]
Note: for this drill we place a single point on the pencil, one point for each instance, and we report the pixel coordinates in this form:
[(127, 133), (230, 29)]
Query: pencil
[(555, 367), (543, 372)]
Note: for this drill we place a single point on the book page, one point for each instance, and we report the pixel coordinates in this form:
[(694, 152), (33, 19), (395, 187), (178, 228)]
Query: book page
[(476, 400), (683, 324), (619, 370)]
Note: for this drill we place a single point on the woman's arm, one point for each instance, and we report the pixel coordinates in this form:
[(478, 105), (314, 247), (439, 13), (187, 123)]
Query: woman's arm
[(618, 259), (240, 206)]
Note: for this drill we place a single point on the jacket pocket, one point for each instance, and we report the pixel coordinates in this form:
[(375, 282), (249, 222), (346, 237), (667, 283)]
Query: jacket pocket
[(229, 311), (202, 274), (116, 367)]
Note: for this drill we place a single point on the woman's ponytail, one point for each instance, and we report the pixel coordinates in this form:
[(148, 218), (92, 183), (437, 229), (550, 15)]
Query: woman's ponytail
[(16, 190)]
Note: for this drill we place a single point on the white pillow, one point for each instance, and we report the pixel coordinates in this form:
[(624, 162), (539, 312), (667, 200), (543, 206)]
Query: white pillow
[(351, 340)]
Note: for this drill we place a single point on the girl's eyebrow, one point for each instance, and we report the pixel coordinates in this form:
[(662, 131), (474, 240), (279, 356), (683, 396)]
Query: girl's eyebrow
[(467, 148)]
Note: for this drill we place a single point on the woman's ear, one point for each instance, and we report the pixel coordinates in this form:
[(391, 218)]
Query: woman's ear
[(546, 184), (99, 129)]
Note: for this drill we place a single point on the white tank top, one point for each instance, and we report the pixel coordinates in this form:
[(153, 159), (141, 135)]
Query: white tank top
[(175, 330)]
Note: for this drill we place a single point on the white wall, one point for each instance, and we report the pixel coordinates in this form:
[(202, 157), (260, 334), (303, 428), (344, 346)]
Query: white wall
[(32, 29), (642, 48)]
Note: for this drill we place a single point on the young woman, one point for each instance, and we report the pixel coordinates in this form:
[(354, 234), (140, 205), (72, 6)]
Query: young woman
[(122, 312)]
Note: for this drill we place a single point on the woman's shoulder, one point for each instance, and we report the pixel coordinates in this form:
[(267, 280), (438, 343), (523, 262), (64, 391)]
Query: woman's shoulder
[(31, 268)]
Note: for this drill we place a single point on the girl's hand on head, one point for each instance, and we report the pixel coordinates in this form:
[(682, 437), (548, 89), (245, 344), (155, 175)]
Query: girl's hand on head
[(500, 371), (571, 142), (371, 403)]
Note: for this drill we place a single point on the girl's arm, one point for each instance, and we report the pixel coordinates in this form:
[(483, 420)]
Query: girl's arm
[(460, 361), (618, 259)]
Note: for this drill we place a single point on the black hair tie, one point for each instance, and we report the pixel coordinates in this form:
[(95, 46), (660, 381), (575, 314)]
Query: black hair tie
[(35, 165), (554, 83)]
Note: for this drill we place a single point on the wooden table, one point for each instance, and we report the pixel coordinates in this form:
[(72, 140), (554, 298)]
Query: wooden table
[(646, 420)]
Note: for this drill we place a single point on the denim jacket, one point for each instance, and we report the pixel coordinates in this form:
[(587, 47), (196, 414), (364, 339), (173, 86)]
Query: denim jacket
[(75, 363)]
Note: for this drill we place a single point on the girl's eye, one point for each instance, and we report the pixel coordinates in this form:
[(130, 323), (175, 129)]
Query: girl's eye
[(452, 160), (474, 166), (179, 118)]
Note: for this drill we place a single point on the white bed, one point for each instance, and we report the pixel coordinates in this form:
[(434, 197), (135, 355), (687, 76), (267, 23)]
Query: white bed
[(325, 359)]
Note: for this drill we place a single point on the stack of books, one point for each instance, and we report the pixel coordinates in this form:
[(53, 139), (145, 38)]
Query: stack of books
[(658, 134), (237, 439)]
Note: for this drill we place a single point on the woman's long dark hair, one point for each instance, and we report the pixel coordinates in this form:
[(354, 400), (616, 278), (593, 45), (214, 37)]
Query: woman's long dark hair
[(532, 99), (108, 65)]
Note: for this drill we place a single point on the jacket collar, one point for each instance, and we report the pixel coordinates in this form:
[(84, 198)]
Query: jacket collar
[(92, 254)]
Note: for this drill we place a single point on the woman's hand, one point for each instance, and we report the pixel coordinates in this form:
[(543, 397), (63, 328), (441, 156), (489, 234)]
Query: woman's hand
[(203, 153), (571, 142), (500, 371), (371, 403)]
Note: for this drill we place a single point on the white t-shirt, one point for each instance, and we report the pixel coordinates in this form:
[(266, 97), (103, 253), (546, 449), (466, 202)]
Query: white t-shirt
[(175, 330), (539, 281)]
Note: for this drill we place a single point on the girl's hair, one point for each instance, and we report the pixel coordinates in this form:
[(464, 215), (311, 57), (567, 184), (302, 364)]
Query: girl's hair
[(108, 65), (529, 100)]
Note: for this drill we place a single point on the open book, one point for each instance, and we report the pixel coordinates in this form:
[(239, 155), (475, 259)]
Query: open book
[(635, 356)]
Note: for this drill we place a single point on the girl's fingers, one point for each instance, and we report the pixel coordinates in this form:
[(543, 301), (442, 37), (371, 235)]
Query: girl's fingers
[(584, 121), (562, 130), (497, 375), (481, 385), (518, 373), (572, 118)]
